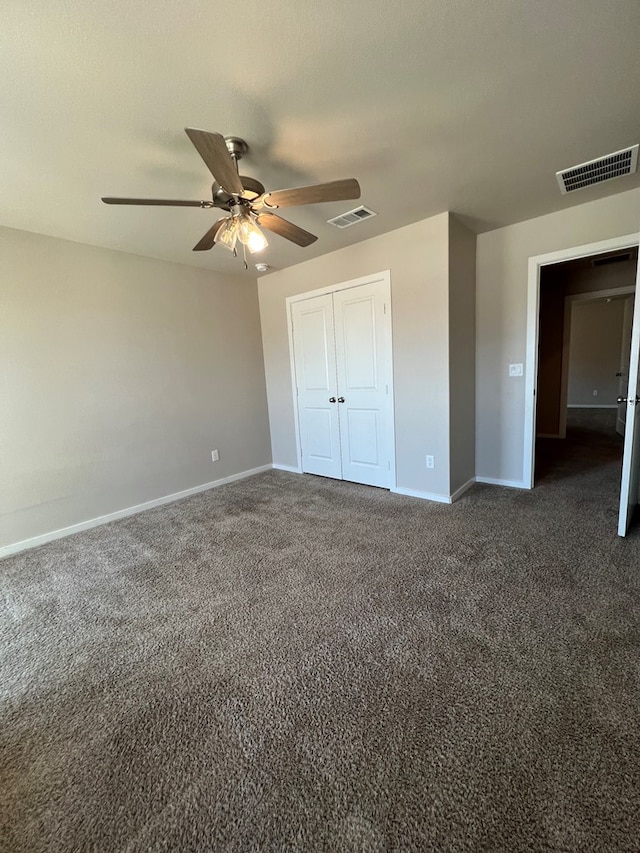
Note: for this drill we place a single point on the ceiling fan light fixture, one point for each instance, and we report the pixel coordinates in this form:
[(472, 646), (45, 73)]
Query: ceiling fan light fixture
[(257, 241), (250, 235), (228, 234)]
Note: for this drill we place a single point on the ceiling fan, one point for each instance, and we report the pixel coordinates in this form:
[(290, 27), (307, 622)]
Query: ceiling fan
[(245, 199)]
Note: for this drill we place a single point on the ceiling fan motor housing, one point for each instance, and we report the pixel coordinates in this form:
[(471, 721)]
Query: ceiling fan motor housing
[(237, 147), (223, 199)]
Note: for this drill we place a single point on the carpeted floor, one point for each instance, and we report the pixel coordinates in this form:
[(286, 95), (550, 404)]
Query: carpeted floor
[(295, 664)]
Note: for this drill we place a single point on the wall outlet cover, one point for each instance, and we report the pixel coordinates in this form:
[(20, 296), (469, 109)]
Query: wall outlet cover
[(515, 370), (215, 456)]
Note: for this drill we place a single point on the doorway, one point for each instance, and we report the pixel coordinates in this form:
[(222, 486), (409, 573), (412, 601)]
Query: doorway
[(578, 363), (585, 312), (581, 425), (341, 368)]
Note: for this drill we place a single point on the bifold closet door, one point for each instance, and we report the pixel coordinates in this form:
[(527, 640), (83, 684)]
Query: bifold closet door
[(363, 362), (342, 363), (315, 371)]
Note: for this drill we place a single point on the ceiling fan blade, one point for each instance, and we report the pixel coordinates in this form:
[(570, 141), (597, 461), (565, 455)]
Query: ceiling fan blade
[(333, 191), (161, 202), (213, 150), (285, 229), (207, 242)]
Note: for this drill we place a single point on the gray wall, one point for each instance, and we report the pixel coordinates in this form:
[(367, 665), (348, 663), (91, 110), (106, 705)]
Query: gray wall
[(594, 352), (418, 258), (502, 274), (118, 375), (462, 352)]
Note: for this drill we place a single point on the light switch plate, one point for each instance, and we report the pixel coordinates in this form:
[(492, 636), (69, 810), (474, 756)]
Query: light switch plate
[(515, 370)]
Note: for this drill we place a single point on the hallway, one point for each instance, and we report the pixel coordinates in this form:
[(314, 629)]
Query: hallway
[(591, 443)]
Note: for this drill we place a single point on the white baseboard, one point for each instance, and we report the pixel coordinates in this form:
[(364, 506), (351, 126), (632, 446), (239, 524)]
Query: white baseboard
[(290, 468), (425, 496), (494, 481), (591, 406), (444, 499), (459, 492), (43, 538)]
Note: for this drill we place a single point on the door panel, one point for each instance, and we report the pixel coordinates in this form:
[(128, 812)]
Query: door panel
[(363, 429), (362, 354), (315, 350), (319, 434), (359, 345), (630, 484), (315, 371)]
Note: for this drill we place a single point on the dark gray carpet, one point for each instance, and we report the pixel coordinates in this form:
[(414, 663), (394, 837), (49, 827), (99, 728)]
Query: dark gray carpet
[(294, 664)]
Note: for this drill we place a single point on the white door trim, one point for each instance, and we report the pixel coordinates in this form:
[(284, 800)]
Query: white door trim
[(385, 277), (536, 262), (342, 285)]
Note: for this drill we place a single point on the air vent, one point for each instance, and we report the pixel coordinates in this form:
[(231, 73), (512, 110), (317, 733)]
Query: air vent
[(611, 259), (358, 214), (595, 171)]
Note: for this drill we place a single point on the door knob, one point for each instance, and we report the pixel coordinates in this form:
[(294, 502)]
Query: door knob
[(332, 399), (633, 402), (341, 399)]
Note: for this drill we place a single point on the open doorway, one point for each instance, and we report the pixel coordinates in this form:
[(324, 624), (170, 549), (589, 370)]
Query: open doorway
[(584, 337)]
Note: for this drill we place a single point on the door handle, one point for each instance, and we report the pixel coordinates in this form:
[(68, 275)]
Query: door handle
[(332, 399), (341, 399), (633, 402)]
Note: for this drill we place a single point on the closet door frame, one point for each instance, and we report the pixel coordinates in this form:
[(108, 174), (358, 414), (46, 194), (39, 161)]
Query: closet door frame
[(385, 278)]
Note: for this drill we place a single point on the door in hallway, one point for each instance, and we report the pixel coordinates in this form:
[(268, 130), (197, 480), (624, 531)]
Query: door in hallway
[(631, 454), (625, 354), (342, 363)]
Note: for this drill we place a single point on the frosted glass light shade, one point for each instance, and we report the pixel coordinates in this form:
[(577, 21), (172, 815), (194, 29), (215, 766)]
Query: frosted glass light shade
[(257, 241), (228, 234), (250, 234)]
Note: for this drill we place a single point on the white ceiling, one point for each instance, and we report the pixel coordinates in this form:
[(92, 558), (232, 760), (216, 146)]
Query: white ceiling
[(432, 104)]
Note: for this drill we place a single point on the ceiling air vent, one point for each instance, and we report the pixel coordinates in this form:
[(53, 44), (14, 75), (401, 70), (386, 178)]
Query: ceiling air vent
[(611, 259), (595, 171), (358, 214)]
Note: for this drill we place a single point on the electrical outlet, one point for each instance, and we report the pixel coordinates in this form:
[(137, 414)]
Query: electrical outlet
[(430, 461), (215, 456), (595, 392), (515, 370)]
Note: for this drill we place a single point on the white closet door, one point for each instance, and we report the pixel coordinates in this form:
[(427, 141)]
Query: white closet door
[(315, 371), (363, 359)]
